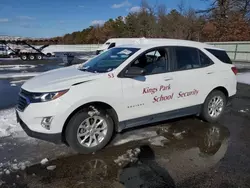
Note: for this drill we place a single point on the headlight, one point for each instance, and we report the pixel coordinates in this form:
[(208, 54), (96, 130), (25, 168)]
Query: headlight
[(45, 97)]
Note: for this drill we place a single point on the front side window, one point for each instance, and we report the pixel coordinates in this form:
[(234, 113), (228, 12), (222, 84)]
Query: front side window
[(112, 45), (108, 60), (154, 62)]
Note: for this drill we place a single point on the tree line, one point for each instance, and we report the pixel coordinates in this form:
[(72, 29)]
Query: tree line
[(223, 20)]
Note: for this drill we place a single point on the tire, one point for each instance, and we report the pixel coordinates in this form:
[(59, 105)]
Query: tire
[(48, 54), (24, 57), (73, 127), (32, 57), (209, 117), (39, 57)]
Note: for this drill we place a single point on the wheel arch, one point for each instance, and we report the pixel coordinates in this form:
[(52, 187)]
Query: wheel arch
[(97, 104), (222, 89)]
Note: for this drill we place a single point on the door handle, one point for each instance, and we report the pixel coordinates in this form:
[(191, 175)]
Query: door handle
[(168, 79), (210, 72)]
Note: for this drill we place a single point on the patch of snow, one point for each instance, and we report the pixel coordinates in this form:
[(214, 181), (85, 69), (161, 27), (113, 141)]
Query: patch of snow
[(14, 167), (9, 125), (22, 166), (1, 182), (16, 67), (9, 59), (44, 161), (19, 75), (179, 135), (244, 78), (17, 81), (242, 65), (7, 172), (135, 137), (85, 57), (244, 111), (129, 156), (53, 167), (158, 141)]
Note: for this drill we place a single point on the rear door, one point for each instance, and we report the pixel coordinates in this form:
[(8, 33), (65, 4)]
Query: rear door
[(192, 71)]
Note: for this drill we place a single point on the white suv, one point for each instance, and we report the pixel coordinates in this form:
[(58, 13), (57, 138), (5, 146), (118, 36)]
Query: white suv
[(124, 87)]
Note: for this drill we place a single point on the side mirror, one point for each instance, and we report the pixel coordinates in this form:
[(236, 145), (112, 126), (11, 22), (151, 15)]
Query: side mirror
[(132, 72)]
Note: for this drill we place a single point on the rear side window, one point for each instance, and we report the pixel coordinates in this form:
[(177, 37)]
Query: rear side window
[(186, 58), (221, 55)]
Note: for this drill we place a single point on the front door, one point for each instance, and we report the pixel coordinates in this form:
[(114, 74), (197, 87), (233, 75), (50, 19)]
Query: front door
[(152, 93)]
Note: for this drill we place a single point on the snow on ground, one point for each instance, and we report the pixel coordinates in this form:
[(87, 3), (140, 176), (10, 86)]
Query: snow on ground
[(19, 75), (16, 67), (85, 57), (17, 81), (9, 59), (138, 135), (8, 124), (242, 65), (244, 78)]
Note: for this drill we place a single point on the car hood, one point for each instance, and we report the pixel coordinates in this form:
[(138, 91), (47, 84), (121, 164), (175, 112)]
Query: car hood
[(58, 79)]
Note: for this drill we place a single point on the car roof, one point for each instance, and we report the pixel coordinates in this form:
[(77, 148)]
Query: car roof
[(152, 43)]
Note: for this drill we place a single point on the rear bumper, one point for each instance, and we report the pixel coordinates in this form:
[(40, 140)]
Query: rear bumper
[(54, 138)]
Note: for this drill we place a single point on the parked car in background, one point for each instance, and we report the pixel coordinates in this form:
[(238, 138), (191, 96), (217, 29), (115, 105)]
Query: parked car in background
[(126, 86), (113, 42)]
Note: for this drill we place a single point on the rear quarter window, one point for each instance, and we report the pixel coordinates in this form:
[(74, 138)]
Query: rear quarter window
[(221, 55)]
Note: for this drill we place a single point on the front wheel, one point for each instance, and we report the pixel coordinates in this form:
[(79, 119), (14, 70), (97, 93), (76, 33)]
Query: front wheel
[(214, 106), (89, 133)]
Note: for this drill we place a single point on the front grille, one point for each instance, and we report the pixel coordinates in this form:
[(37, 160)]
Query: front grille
[(25, 93), (23, 100), (22, 103)]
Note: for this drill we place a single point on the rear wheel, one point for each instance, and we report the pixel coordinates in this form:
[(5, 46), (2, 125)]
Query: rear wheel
[(31, 57), (214, 106), (39, 56), (24, 57), (89, 133)]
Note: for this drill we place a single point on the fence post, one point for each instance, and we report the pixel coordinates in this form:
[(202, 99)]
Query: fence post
[(235, 52)]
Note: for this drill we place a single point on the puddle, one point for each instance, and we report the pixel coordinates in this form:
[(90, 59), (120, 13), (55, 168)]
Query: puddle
[(140, 163)]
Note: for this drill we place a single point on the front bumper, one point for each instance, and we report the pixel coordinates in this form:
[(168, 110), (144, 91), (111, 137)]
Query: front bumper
[(98, 52), (55, 138)]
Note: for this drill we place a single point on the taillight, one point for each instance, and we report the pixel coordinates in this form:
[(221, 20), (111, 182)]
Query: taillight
[(234, 69)]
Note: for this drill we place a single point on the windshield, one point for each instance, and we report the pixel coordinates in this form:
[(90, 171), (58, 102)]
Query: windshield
[(109, 60)]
